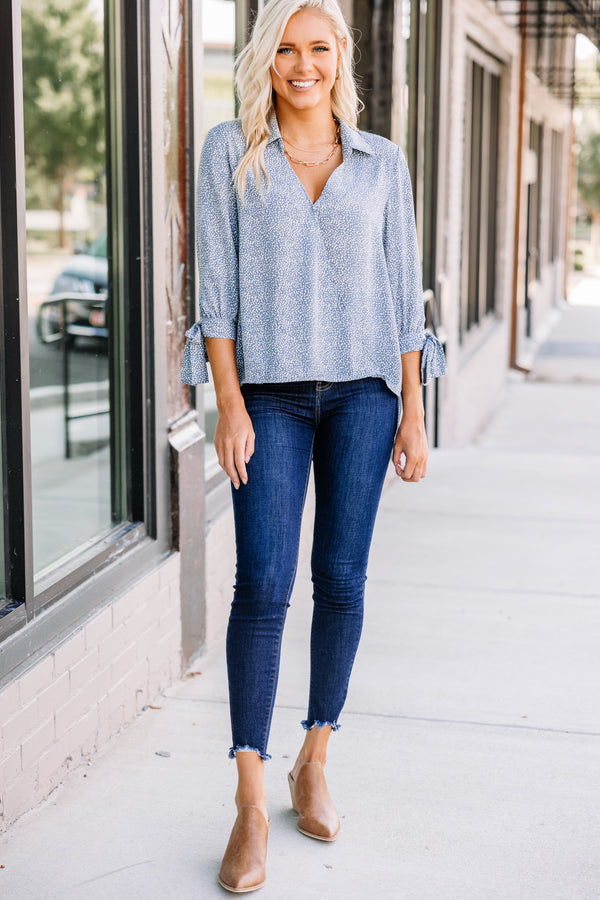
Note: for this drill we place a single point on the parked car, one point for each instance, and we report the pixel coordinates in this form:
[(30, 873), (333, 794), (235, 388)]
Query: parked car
[(81, 289)]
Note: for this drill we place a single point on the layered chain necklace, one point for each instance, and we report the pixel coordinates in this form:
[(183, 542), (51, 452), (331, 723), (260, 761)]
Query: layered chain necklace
[(320, 162)]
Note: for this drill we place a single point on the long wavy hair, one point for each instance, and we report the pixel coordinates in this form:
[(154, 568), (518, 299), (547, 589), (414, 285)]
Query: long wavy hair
[(253, 79)]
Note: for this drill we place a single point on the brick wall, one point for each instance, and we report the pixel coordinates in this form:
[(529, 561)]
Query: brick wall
[(70, 703)]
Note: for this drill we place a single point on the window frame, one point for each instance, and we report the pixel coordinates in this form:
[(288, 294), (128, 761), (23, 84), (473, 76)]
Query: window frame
[(478, 299), (108, 565), (14, 353)]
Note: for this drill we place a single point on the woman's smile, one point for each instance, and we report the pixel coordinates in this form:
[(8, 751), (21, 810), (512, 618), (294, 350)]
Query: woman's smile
[(303, 85)]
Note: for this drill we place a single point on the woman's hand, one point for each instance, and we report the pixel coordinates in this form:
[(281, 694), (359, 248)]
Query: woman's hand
[(411, 443), (234, 440), (410, 447), (234, 435)]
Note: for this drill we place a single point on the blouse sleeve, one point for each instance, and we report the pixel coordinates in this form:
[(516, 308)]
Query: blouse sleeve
[(404, 270), (217, 252)]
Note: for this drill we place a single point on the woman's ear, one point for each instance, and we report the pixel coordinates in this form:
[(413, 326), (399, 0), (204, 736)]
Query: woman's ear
[(341, 48), (341, 45)]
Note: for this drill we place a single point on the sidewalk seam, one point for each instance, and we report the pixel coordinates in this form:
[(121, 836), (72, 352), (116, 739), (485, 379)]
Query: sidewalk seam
[(373, 580), (430, 720)]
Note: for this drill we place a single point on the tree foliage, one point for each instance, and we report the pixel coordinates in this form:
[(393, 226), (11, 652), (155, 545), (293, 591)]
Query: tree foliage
[(588, 172), (588, 133), (63, 92)]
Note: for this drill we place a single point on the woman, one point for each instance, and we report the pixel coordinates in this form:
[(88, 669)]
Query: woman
[(312, 319)]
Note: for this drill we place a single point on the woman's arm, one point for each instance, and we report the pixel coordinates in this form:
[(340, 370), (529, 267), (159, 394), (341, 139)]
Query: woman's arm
[(217, 250), (234, 435), (411, 439)]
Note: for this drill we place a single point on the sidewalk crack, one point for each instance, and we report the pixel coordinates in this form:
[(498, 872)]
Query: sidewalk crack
[(514, 726)]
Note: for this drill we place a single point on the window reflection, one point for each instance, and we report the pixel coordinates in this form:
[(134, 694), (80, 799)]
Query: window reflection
[(218, 30), (67, 274)]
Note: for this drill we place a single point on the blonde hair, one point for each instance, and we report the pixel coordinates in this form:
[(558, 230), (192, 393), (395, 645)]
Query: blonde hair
[(253, 79)]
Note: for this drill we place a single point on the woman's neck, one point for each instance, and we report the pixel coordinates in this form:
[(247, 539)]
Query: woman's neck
[(306, 127)]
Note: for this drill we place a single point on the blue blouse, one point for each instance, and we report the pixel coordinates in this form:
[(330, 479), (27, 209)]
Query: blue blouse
[(324, 291)]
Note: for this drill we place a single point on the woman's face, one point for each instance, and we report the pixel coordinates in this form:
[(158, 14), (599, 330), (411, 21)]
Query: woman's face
[(307, 62)]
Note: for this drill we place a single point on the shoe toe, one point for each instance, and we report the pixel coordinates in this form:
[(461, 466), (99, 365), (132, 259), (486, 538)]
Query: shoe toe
[(310, 798), (244, 863)]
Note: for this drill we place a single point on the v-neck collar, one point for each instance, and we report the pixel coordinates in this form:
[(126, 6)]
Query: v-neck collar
[(351, 137)]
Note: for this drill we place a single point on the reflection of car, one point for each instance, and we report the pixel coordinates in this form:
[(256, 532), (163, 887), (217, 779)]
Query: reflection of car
[(81, 290)]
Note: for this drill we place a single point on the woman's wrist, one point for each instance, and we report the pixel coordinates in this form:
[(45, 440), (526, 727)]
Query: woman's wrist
[(230, 399), (412, 407)]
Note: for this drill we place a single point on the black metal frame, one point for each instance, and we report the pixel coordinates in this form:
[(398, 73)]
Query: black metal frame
[(14, 351), (63, 336), (538, 17), (90, 576)]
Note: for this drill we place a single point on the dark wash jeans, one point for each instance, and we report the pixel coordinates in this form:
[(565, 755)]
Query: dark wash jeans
[(347, 430)]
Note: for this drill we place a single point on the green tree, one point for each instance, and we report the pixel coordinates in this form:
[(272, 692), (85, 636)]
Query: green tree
[(63, 94), (588, 172), (588, 143)]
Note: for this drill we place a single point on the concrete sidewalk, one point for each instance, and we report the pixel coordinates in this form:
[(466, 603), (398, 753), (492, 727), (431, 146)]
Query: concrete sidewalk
[(467, 767)]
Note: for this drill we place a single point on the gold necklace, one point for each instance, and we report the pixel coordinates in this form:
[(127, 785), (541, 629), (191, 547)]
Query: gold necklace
[(320, 162)]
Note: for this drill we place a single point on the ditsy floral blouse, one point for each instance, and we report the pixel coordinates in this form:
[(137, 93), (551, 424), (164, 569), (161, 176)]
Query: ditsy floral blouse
[(324, 291)]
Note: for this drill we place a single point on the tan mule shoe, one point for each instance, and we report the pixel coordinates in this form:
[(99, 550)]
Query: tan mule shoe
[(310, 798), (244, 864)]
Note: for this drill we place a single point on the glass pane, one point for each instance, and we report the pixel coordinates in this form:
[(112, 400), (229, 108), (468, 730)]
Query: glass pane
[(67, 274), (218, 30)]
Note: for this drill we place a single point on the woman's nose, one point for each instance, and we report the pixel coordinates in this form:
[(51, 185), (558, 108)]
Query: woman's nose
[(303, 62)]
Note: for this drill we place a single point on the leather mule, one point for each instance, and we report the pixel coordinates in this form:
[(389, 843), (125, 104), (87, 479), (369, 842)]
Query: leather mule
[(244, 864), (310, 799)]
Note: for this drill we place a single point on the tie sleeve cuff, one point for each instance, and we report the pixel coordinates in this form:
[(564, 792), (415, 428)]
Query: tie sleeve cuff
[(433, 361), (193, 366)]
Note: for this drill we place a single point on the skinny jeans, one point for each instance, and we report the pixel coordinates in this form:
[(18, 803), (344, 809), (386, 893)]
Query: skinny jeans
[(346, 430)]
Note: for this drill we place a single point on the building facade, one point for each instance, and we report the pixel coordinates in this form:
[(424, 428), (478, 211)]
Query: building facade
[(116, 539)]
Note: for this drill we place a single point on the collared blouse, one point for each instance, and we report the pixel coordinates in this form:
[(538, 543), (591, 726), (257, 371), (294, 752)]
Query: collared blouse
[(323, 291)]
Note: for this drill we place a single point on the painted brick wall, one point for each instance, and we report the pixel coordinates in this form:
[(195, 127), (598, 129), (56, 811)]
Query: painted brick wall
[(70, 703)]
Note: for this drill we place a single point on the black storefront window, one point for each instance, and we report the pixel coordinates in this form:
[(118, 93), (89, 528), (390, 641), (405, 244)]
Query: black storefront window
[(482, 113), (75, 350), (70, 342)]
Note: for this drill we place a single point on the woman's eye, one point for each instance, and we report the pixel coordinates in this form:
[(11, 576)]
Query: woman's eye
[(322, 48), (283, 50)]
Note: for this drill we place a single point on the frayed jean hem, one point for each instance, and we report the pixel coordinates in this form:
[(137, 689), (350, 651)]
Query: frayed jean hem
[(247, 749), (334, 725)]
